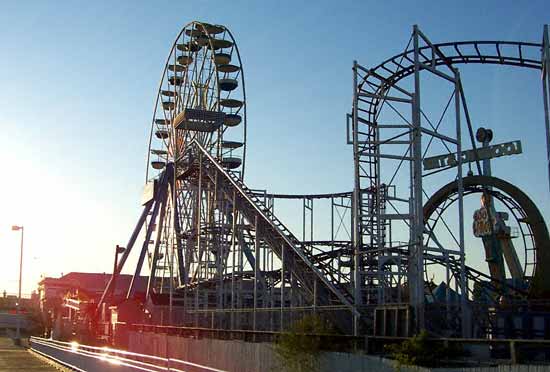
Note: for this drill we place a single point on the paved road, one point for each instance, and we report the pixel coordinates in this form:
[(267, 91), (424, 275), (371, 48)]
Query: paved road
[(13, 358)]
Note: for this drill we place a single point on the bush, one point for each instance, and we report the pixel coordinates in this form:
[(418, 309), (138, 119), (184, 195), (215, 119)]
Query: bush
[(299, 348), (419, 351)]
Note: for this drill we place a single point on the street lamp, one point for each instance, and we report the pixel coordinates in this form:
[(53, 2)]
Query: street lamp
[(18, 332)]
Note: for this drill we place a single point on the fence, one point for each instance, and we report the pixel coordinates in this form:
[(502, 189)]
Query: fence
[(240, 356)]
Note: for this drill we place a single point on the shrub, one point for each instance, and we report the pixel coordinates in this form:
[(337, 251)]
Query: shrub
[(299, 348), (419, 351)]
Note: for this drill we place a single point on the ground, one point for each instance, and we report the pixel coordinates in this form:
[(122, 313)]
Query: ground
[(14, 358)]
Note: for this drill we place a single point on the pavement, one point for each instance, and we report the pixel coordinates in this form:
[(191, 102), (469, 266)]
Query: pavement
[(19, 359)]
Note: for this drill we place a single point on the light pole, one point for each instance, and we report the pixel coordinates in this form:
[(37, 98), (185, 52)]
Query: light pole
[(18, 332)]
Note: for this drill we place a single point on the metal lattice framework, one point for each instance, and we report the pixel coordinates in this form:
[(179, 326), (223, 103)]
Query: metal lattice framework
[(392, 133)]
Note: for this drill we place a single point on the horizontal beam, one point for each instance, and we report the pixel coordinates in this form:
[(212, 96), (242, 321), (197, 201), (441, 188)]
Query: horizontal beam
[(439, 135)]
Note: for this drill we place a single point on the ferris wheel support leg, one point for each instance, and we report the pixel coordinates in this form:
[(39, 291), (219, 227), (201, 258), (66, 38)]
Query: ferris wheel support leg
[(179, 251), (126, 253), (180, 259), (153, 269), (141, 258)]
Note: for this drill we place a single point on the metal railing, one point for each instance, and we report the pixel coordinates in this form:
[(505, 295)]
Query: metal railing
[(87, 358)]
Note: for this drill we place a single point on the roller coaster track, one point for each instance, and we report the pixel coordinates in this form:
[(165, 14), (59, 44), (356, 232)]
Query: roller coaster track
[(381, 78)]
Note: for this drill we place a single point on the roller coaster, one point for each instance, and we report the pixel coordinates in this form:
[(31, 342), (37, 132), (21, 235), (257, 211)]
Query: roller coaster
[(218, 257)]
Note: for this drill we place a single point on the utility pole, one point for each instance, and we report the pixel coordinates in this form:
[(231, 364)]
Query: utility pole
[(17, 312)]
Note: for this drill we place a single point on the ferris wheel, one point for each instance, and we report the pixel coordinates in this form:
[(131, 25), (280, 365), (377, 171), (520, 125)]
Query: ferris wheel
[(201, 100), (201, 97)]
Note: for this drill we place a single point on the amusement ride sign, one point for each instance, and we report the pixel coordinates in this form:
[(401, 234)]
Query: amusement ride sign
[(489, 152)]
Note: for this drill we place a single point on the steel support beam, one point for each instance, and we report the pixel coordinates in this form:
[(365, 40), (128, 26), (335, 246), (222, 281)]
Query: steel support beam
[(546, 90), (416, 280), (466, 328), (356, 230)]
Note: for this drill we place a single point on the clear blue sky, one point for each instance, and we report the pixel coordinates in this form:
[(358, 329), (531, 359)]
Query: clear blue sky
[(78, 79)]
